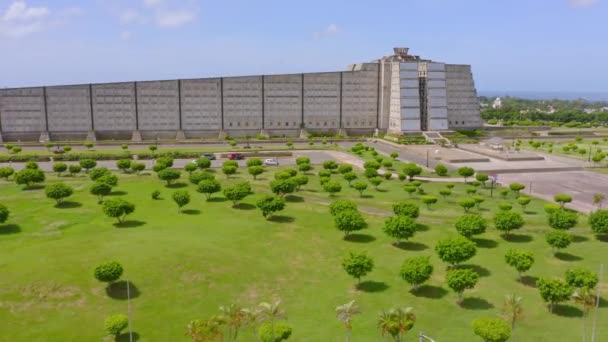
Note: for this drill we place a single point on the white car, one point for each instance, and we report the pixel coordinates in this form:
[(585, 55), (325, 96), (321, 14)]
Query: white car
[(271, 162)]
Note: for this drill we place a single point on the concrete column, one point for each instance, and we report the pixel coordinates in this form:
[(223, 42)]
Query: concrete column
[(44, 136), (91, 136), (180, 135), (135, 135)]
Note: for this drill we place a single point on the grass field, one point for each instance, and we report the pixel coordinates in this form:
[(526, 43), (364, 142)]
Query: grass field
[(184, 265)]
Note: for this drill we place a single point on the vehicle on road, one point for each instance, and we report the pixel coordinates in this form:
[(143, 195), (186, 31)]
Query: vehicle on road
[(209, 156), (236, 156), (271, 162)]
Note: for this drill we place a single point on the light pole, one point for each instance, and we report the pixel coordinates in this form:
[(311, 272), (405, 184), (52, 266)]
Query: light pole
[(427, 158), (423, 337)]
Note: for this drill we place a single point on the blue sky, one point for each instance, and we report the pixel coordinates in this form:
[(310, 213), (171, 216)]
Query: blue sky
[(537, 45)]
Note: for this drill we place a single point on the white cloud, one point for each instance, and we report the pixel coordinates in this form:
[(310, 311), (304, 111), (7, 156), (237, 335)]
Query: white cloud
[(126, 35), (176, 18), (130, 16), (583, 3), (20, 20), (330, 30), (162, 13)]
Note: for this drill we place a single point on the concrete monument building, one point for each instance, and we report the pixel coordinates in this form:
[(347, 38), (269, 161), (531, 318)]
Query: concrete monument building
[(398, 94)]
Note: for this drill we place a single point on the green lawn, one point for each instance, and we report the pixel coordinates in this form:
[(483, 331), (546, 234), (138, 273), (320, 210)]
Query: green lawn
[(185, 265)]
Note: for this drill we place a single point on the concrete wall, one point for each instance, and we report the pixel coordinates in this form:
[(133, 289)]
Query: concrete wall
[(360, 97), (322, 101), (22, 110), (113, 107), (282, 103), (243, 103), (410, 96), (437, 97), (158, 106), (201, 106), (463, 103), (394, 101), (69, 108)]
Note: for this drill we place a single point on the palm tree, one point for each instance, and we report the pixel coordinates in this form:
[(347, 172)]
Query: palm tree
[(205, 331), (512, 310), (234, 318), (396, 322), (585, 297), (270, 313), (345, 315), (250, 320)]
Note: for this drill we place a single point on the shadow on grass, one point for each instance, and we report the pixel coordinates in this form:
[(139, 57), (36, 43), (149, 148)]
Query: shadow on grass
[(191, 212), (294, 199), (118, 193), (33, 187), (579, 238), (9, 229), (281, 219), (129, 224), (217, 199), (430, 291), (68, 205), (476, 303), (517, 238), (603, 238), (482, 271), (410, 246), (381, 190), (528, 212), (372, 286), (567, 256), (529, 281), (603, 302), (359, 238), (422, 227), (244, 206), (118, 290), (367, 196), (485, 243), (125, 337), (567, 311), (176, 185)]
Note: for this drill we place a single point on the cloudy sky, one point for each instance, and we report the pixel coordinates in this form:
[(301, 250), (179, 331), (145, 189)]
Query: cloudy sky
[(538, 45)]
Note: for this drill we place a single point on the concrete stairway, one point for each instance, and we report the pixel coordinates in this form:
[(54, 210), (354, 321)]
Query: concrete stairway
[(437, 139)]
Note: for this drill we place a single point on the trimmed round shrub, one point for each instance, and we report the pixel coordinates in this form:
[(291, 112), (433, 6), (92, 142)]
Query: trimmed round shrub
[(562, 219), (506, 206), (115, 324), (282, 331), (470, 224), (108, 272), (598, 220), (341, 205), (506, 221), (491, 329), (406, 208)]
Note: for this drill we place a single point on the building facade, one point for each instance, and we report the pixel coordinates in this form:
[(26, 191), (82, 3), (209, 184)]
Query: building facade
[(396, 94)]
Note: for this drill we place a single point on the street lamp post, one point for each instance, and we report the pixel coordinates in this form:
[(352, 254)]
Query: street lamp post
[(423, 337), (427, 157)]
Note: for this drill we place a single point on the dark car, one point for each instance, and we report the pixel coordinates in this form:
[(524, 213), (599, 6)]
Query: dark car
[(236, 156), (209, 156)]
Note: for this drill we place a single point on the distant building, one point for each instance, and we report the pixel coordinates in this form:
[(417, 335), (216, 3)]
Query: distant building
[(497, 103), (399, 93)]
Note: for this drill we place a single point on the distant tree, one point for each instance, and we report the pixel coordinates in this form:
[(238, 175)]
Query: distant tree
[(345, 168), (412, 170), (466, 203), (581, 277), (506, 206), (29, 177), (441, 170), (87, 164), (341, 205), (387, 164), (360, 186), (118, 208), (181, 198), (74, 169), (416, 270), (155, 195), (553, 291), (49, 145), (562, 199), (300, 180), (445, 192), (255, 162), (16, 149), (406, 208), (232, 143), (332, 187), (108, 178), (302, 160), (410, 189), (375, 181), (396, 323), (516, 188), (152, 148), (4, 213), (512, 310), (370, 173), (519, 259), (524, 201), (58, 191), (230, 163), (504, 193), (598, 199), (345, 314), (304, 167), (168, 175), (478, 200), (491, 329), (209, 187), (108, 272), (482, 177), (123, 164), (190, 167), (32, 165), (455, 250), (461, 279), (255, 171), (270, 204), (562, 219), (402, 176), (124, 147), (67, 148), (115, 324), (349, 177), (466, 172), (558, 239), (275, 332), (229, 170), (95, 174), (60, 167), (429, 200), (349, 221), (6, 172), (471, 190), (330, 165), (372, 164), (238, 192), (598, 220), (400, 227), (357, 265), (394, 155), (283, 187), (89, 145), (197, 176), (325, 173), (506, 221), (470, 224), (203, 163), (450, 185), (158, 166), (138, 167)]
